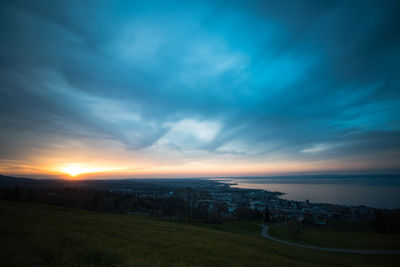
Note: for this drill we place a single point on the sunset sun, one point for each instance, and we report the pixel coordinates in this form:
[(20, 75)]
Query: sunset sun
[(74, 170)]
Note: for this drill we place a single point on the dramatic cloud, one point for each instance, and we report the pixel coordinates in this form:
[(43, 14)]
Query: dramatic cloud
[(200, 87)]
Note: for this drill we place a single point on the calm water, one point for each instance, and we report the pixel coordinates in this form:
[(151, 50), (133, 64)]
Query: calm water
[(379, 192)]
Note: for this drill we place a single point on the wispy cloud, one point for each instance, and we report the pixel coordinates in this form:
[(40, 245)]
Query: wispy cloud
[(241, 82), (316, 148)]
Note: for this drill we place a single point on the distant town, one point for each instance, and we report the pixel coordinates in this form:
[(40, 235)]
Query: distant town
[(191, 199)]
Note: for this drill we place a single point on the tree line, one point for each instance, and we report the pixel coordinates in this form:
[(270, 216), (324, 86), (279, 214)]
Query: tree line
[(184, 207)]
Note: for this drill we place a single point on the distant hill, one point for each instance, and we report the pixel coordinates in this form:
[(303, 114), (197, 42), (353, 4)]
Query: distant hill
[(180, 182), (9, 180), (42, 235), (21, 181)]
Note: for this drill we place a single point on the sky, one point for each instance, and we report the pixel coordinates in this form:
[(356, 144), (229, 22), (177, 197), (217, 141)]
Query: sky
[(199, 88)]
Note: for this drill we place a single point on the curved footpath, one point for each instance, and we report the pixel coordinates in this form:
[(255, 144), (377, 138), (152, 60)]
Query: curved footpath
[(264, 233)]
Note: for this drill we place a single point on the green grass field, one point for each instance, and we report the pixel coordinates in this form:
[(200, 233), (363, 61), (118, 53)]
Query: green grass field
[(362, 238), (54, 236)]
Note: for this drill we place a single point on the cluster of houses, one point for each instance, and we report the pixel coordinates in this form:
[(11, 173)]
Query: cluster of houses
[(271, 206)]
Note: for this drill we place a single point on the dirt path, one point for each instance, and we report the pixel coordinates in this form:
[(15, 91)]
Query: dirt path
[(264, 233)]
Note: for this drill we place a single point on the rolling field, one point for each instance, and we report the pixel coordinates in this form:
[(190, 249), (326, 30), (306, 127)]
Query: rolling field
[(365, 238), (54, 236)]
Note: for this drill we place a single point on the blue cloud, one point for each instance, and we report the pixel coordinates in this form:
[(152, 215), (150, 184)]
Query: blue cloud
[(295, 80)]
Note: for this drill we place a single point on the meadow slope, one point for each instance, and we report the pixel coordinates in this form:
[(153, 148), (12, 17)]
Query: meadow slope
[(52, 236)]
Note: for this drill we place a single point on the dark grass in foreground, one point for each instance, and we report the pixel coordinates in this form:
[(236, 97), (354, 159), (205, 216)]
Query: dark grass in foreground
[(361, 237), (48, 235)]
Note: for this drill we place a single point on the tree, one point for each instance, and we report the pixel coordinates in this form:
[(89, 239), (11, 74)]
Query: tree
[(266, 215), (30, 196), (294, 226), (17, 193), (94, 202)]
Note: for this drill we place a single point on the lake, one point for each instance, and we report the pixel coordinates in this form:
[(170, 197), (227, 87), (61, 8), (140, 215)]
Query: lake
[(373, 191)]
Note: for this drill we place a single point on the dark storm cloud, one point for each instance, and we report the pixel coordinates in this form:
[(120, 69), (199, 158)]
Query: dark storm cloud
[(299, 79)]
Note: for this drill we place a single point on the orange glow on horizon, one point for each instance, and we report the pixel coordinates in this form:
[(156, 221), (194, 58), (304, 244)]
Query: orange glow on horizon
[(74, 170), (118, 168)]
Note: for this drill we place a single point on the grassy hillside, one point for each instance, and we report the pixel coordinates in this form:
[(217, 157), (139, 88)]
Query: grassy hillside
[(365, 238), (47, 235)]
